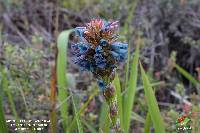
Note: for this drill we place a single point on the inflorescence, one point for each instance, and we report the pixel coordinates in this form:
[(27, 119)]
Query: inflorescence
[(98, 50)]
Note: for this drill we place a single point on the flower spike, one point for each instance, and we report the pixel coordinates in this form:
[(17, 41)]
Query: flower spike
[(99, 52)]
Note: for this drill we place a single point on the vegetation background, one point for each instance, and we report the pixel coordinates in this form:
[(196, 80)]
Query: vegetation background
[(167, 32)]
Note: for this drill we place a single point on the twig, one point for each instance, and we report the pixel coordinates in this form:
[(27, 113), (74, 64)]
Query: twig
[(54, 78), (53, 99), (180, 97)]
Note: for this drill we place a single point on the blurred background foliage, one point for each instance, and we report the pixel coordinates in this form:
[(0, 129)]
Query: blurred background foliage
[(170, 32)]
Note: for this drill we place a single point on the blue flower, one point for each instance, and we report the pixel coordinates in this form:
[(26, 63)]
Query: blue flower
[(103, 42), (84, 64), (110, 25), (80, 31), (80, 49), (102, 85), (100, 61), (97, 50), (119, 51), (119, 45)]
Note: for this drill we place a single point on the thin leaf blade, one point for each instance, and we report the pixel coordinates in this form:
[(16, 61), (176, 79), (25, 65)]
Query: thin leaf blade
[(152, 104), (130, 95), (187, 75), (77, 117), (62, 43)]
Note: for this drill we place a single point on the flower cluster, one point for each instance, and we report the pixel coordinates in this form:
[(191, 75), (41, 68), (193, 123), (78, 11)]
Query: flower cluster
[(98, 51)]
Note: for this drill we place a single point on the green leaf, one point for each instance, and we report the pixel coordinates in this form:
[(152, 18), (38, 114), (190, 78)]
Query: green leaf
[(152, 104), (130, 95), (62, 43)]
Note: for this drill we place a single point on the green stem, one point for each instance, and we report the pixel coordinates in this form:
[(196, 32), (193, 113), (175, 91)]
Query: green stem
[(111, 99)]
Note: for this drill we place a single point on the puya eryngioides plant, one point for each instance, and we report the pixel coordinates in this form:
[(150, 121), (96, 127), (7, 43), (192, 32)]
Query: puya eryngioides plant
[(99, 52)]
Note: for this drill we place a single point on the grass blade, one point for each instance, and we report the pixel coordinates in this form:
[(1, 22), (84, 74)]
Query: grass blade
[(77, 117), (127, 68), (84, 106), (119, 98), (187, 75), (152, 104), (155, 84), (152, 84), (3, 125), (130, 95), (10, 97), (89, 126), (137, 117), (62, 44), (127, 32), (147, 125)]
